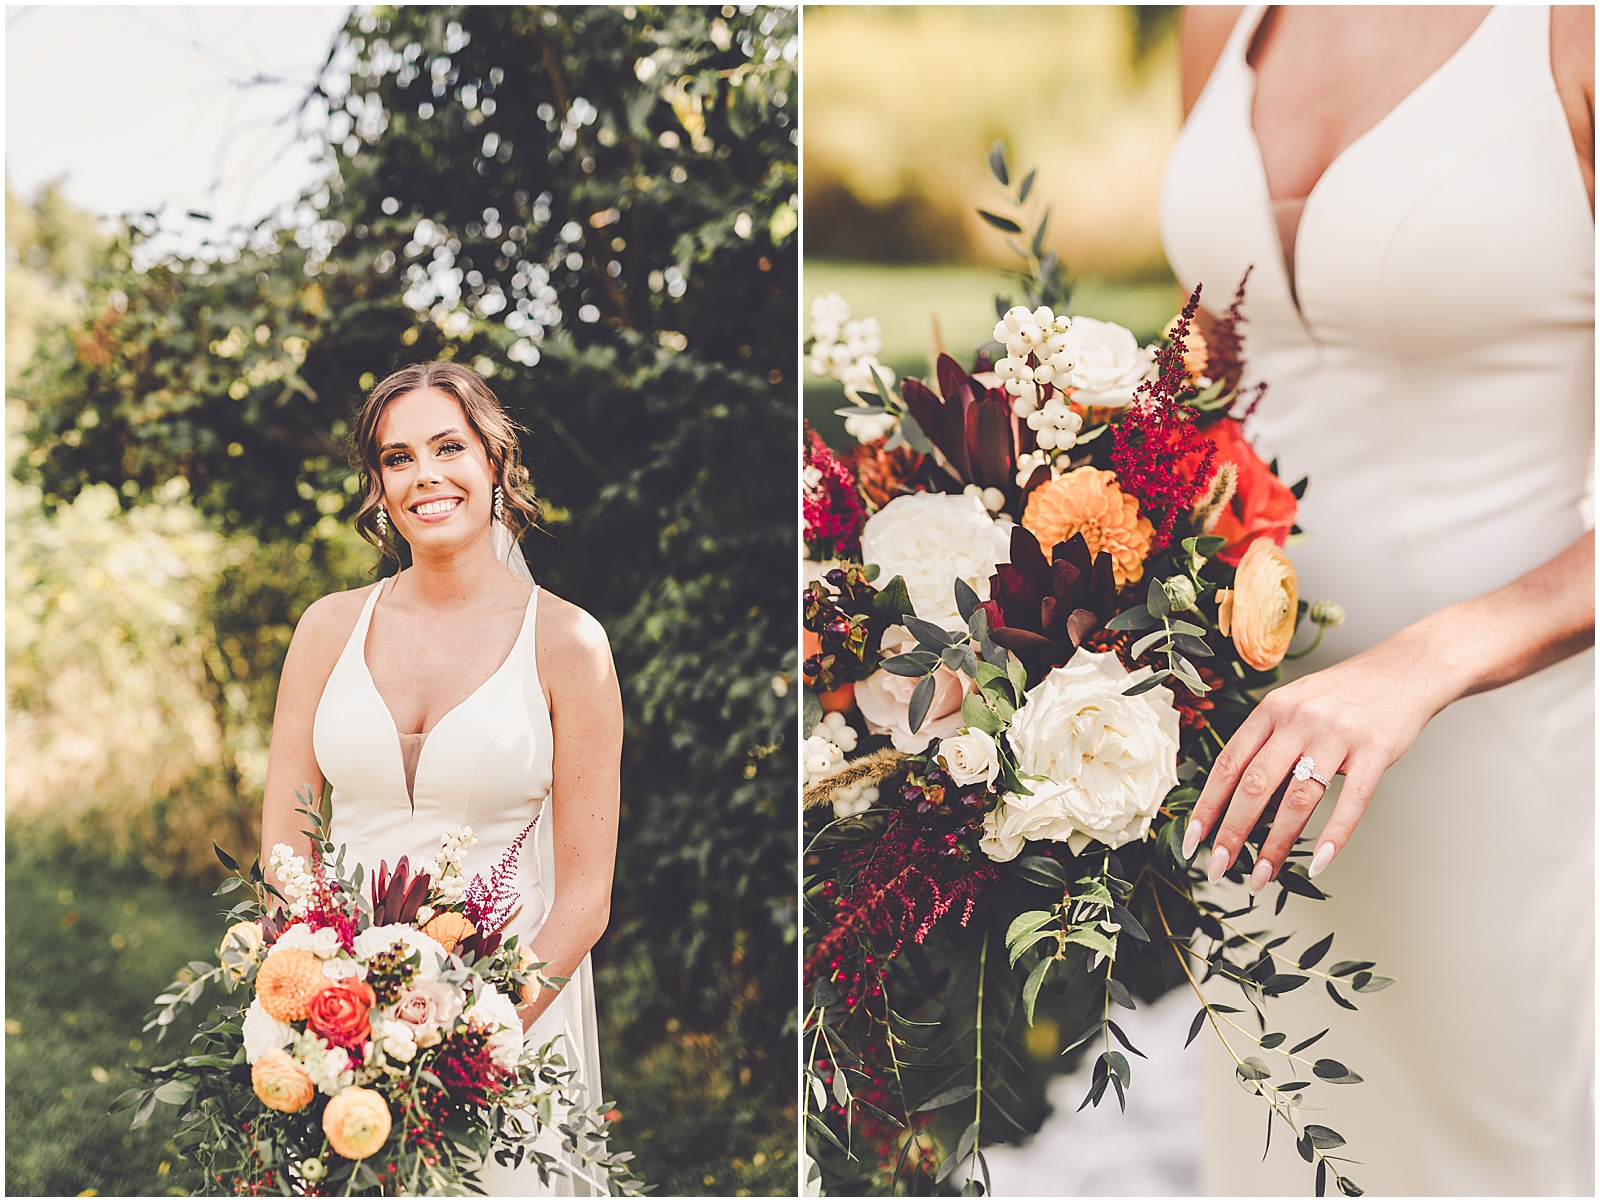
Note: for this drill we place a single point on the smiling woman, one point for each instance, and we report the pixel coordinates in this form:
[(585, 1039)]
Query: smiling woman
[(510, 691)]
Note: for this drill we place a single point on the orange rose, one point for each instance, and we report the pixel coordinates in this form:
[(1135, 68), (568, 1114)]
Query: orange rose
[(356, 1122), (450, 928), (1261, 503), (280, 1082), (1261, 610), (339, 1013), (843, 697), (1090, 502), (287, 982)]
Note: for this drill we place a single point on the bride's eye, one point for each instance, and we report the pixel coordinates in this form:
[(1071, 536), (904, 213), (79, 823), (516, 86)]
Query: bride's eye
[(450, 448), (397, 459)]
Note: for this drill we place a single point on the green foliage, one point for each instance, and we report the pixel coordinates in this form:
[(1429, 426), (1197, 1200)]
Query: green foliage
[(594, 207)]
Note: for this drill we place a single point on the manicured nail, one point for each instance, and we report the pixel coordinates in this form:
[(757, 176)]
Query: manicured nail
[(1323, 858), (1220, 859), (1191, 838), (1261, 876)]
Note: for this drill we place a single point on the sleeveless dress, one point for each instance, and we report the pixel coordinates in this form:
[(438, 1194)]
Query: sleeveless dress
[(1436, 382), (486, 764)]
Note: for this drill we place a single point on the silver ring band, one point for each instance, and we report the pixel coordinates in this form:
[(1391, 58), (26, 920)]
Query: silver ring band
[(1306, 769)]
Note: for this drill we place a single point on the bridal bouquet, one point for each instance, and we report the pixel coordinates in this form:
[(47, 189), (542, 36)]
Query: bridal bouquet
[(1042, 595), (377, 1048)]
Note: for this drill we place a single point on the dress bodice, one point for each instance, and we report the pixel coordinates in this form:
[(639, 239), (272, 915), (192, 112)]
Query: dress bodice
[(1436, 378), (486, 764)]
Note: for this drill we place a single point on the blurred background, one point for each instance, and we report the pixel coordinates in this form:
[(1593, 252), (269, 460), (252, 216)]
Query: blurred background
[(220, 231), (902, 106)]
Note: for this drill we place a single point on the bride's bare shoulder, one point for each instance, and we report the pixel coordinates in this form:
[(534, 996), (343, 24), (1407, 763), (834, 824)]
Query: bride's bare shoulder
[(325, 627), (571, 645), (1203, 31)]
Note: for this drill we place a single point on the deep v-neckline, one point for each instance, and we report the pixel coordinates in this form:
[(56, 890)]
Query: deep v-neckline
[(1289, 268), (425, 735)]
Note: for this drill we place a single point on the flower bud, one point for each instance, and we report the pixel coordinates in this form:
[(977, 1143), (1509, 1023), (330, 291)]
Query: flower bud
[(1043, 317), (1015, 316), (1001, 331), (1019, 406), (1032, 335), (1043, 374), (1006, 369), (1016, 347), (313, 1169), (993, 500), (1327, 613), (1180, 592)]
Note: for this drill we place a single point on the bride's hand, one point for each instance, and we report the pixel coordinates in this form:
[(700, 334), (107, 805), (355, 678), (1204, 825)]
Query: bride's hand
[(1355, 718)]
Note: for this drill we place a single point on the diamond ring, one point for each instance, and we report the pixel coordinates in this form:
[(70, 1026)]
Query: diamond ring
[(1306, 769)]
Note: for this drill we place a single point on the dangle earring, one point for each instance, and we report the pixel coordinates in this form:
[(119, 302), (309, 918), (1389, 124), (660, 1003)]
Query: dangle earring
[(382, 521), (499, 504)]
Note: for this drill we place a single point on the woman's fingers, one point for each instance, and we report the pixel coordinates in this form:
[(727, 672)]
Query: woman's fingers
[(1361, 777), (1299, 800), (1259, 781), (1223, 778)]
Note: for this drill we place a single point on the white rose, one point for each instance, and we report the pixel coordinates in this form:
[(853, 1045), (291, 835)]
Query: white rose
[(495, 1010), (884, 699), (323, 943), (380, 939), (971, 758), (262, 1032), (1108, 760), (1108, 363), (931, 539)]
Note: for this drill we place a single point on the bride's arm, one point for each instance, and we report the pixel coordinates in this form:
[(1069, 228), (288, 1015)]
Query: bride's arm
[(1359, 716), (319, 637), (586, 717)]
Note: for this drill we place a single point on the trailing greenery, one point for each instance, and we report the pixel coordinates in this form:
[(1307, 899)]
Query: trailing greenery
[(594, 207)]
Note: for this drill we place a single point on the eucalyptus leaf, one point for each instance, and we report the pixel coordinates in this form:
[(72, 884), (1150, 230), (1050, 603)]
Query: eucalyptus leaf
[(921, 699), (948, 1098), (931, 635), (1119, 994), (1322, 1137), (1156, 599), (1030, 989), (1147, 642), (1312, 956), (966, 599), (1148, 683), (1137, 618), (912, 663)]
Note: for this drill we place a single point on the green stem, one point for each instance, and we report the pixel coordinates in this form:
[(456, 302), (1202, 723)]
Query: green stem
[(1315, 643), (977, 1108)]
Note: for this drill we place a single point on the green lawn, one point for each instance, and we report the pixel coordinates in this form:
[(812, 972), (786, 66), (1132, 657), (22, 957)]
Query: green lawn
[(907, 299), (86, 951)]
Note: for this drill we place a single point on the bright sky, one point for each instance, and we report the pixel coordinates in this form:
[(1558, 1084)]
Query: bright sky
[(139, 107)]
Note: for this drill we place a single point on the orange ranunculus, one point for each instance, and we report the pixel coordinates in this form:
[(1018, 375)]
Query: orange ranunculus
[(1089, 502), (287, 982), (1261, 503), (450, 928), (356, 1122), (339, 1013), (280, 1082), (1261, 610), (843, 697)]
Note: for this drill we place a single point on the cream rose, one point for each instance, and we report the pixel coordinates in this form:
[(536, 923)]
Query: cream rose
[(499, 1014), (425, 1008), (885, 699), (380, 939), (1107, 760), (931, 539), (971, 758), (262, 1032), (1109, 363)]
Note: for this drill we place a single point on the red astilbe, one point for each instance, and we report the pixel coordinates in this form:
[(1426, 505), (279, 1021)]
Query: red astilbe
[(833, 510), (1156, 434), (925, 865), (1226, 351), (325, 908), (467, 1068), (489, 907)]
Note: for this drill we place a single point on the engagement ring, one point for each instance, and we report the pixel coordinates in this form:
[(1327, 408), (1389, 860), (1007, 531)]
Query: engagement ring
[(1306, 769)]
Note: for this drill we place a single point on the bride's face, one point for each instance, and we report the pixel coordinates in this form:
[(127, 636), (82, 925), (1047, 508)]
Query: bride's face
[(437, 482)]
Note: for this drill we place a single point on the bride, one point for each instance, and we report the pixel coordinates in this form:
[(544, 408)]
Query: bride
[(457, 692), (1414, 188)]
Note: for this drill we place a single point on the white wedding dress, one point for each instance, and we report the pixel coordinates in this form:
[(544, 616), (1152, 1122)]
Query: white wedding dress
[(1436, 382), (486, 764)]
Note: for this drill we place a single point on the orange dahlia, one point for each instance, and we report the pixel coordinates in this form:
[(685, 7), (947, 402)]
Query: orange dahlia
[(280, 1082), (1089, 502), (449, 929), (287, 982)]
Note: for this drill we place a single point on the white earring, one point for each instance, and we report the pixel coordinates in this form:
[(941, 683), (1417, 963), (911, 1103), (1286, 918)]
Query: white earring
[(499, 504), (383, 522)]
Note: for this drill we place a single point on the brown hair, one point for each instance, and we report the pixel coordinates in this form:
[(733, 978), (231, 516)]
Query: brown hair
[(488, 419)]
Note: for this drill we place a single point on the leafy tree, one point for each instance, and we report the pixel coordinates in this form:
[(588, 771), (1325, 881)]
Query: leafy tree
[(594, 207)]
